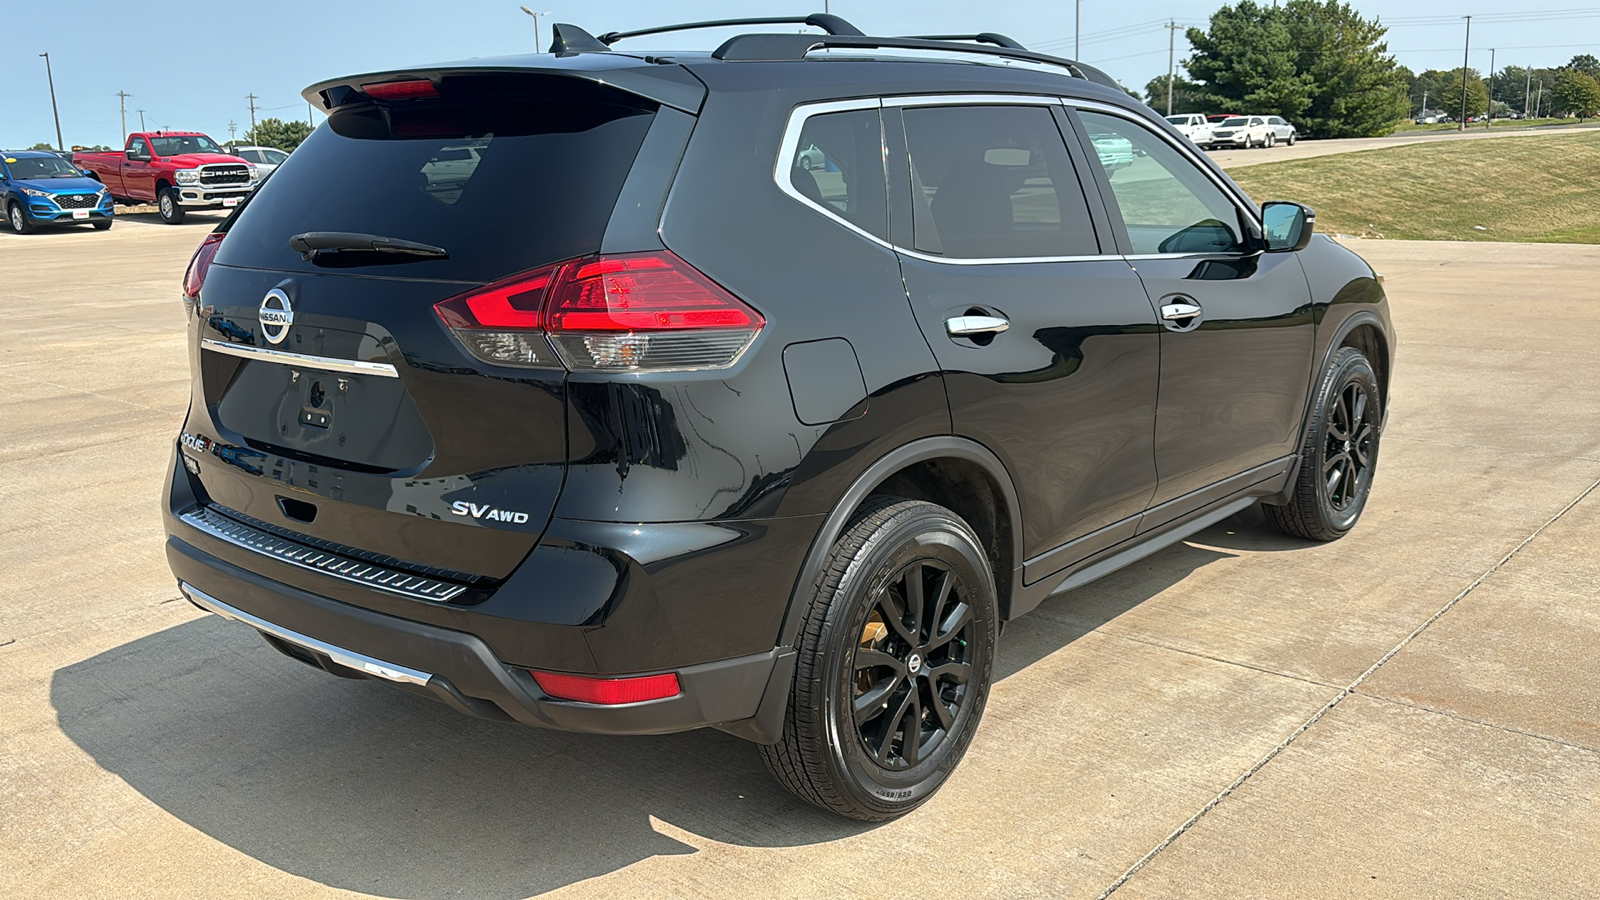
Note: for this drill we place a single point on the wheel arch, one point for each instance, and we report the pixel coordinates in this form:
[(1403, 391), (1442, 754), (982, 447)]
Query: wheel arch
[(1365, 332), (955, 472)]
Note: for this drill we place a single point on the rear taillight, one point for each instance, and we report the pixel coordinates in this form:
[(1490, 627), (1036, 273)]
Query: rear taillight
[(609, 691), (624, 312), (195, 277)]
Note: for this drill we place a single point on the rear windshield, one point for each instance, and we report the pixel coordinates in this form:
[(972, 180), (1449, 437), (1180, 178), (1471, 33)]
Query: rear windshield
[(503, 181)]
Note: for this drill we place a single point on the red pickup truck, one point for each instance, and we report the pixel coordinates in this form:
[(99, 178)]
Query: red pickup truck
[(177, 170)]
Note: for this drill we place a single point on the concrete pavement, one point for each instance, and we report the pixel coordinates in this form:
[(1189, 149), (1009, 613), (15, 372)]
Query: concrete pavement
[(1407, 712), (1232, 159)]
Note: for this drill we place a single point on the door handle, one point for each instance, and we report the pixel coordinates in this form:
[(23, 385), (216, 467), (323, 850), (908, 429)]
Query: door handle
[(963, 326), (1174, 312)]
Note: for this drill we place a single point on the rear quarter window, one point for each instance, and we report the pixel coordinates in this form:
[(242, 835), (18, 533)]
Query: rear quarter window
[(503, 182)]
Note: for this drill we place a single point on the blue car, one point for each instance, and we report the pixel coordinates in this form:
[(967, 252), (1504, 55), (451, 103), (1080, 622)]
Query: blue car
[(40, 188)]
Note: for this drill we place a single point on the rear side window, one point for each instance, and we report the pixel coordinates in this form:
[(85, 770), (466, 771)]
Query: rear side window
[(504, 177), (994, 182), (838, 167)]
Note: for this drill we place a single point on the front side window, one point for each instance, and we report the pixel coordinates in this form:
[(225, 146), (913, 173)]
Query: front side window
[(177, 145), (140, 148), (838, 166), (994, 182), (1167, 203)]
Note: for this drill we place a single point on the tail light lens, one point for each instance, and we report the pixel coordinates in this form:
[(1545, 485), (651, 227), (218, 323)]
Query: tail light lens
[(610, 691), (626, 312), (195, 277)]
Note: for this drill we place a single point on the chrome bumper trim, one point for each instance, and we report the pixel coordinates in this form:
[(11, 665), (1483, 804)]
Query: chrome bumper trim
[(322, 562), (347, 658), (322, 363)]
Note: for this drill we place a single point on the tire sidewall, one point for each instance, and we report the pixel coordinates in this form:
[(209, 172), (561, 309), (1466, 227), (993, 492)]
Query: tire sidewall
[(922, 535), (17, 218), (1348, 367)]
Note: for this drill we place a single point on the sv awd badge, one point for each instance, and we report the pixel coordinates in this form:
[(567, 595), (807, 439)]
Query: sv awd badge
[(485, 511)]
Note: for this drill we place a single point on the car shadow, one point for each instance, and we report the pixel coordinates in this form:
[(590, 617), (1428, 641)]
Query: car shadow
[(361, 787), (202, 219)]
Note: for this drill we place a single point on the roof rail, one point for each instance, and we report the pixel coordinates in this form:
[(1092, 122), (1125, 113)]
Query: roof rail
[(833, 25), (776, 47), (982, 37)]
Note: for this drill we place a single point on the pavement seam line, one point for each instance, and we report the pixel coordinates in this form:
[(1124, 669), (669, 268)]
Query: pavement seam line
[(68, 387), (1471, 721), (1205, 656), (1337, 699)]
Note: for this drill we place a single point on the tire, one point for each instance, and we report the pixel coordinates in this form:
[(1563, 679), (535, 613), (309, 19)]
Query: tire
[(1291, 139), (1247, 143), (870, 771), (1271, 140), (806, 164), (171, 210), (17, 216), (1340, 450), (103, 224)]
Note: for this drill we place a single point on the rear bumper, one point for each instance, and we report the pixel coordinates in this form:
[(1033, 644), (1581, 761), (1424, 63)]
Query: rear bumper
[(458, 668)]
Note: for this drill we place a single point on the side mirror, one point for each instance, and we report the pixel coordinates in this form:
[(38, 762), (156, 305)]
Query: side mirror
[(1287, 226)]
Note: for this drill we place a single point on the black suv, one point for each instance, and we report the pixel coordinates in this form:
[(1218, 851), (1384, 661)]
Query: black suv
[(633, 393)]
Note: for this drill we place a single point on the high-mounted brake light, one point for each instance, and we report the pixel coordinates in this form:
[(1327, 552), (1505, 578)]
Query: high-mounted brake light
[(195, 277), (631, 312), (609, 691), (400, 90)]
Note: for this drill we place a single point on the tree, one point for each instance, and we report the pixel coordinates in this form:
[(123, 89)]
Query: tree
[(1185, 94), (277, 133), (1577, 93), (43, 145), (1315, 62), (1587, 64), (1444, 91)]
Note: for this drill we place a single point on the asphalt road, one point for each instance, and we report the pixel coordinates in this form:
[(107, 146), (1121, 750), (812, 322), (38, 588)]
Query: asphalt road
[(1413, 711), (1230, 159)]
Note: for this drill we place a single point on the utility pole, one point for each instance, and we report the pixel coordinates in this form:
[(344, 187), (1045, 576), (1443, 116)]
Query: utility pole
[(1527, 93), (141, 121), (52, 77), (309, 124), (1539, 99), (535, 26), (124, 95), (1462, 124), (1077, 32), (231, 129), (1488, 117), (252, 99), (1425, 103), (1172, 43)]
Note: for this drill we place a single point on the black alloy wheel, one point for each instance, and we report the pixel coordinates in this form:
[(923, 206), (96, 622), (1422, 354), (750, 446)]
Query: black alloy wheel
[(1339, 454), (892, 665), (911, 667), (1347, 453)]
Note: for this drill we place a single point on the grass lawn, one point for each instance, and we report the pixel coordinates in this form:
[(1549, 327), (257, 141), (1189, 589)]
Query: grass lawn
[(1541, 188), (1500, 124)]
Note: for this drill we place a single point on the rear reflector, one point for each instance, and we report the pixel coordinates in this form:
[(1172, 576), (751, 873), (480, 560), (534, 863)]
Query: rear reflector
[(195, 277), (610, 691), (631, 312), (400, 90)]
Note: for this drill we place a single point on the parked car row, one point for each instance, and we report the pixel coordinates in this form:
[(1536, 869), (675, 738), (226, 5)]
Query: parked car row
[(176, 170), (1219, 131)]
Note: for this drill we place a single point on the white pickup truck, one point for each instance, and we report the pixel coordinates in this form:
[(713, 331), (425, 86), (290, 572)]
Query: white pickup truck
[(1192, 126)]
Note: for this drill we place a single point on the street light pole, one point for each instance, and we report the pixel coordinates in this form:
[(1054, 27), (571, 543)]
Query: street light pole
[(48, 74), (1077, 32), (1462, 125), (535, 26)]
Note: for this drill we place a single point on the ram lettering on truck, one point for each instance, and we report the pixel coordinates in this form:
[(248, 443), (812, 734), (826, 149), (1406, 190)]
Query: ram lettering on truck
[(176, 170)]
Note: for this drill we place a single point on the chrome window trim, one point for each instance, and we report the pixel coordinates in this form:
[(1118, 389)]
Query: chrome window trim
[(322, 363), (1231, 192), (791, 140), (347, 658)]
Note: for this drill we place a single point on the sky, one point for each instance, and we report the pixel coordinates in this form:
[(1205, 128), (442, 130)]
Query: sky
[(277, 47)]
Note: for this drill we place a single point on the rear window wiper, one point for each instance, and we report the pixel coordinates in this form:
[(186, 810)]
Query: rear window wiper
[(312, 244)]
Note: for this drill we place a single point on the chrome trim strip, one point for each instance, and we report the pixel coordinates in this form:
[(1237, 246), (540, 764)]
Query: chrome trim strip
[(323, 562), (791, 141), (347, 658), (324, 363)]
